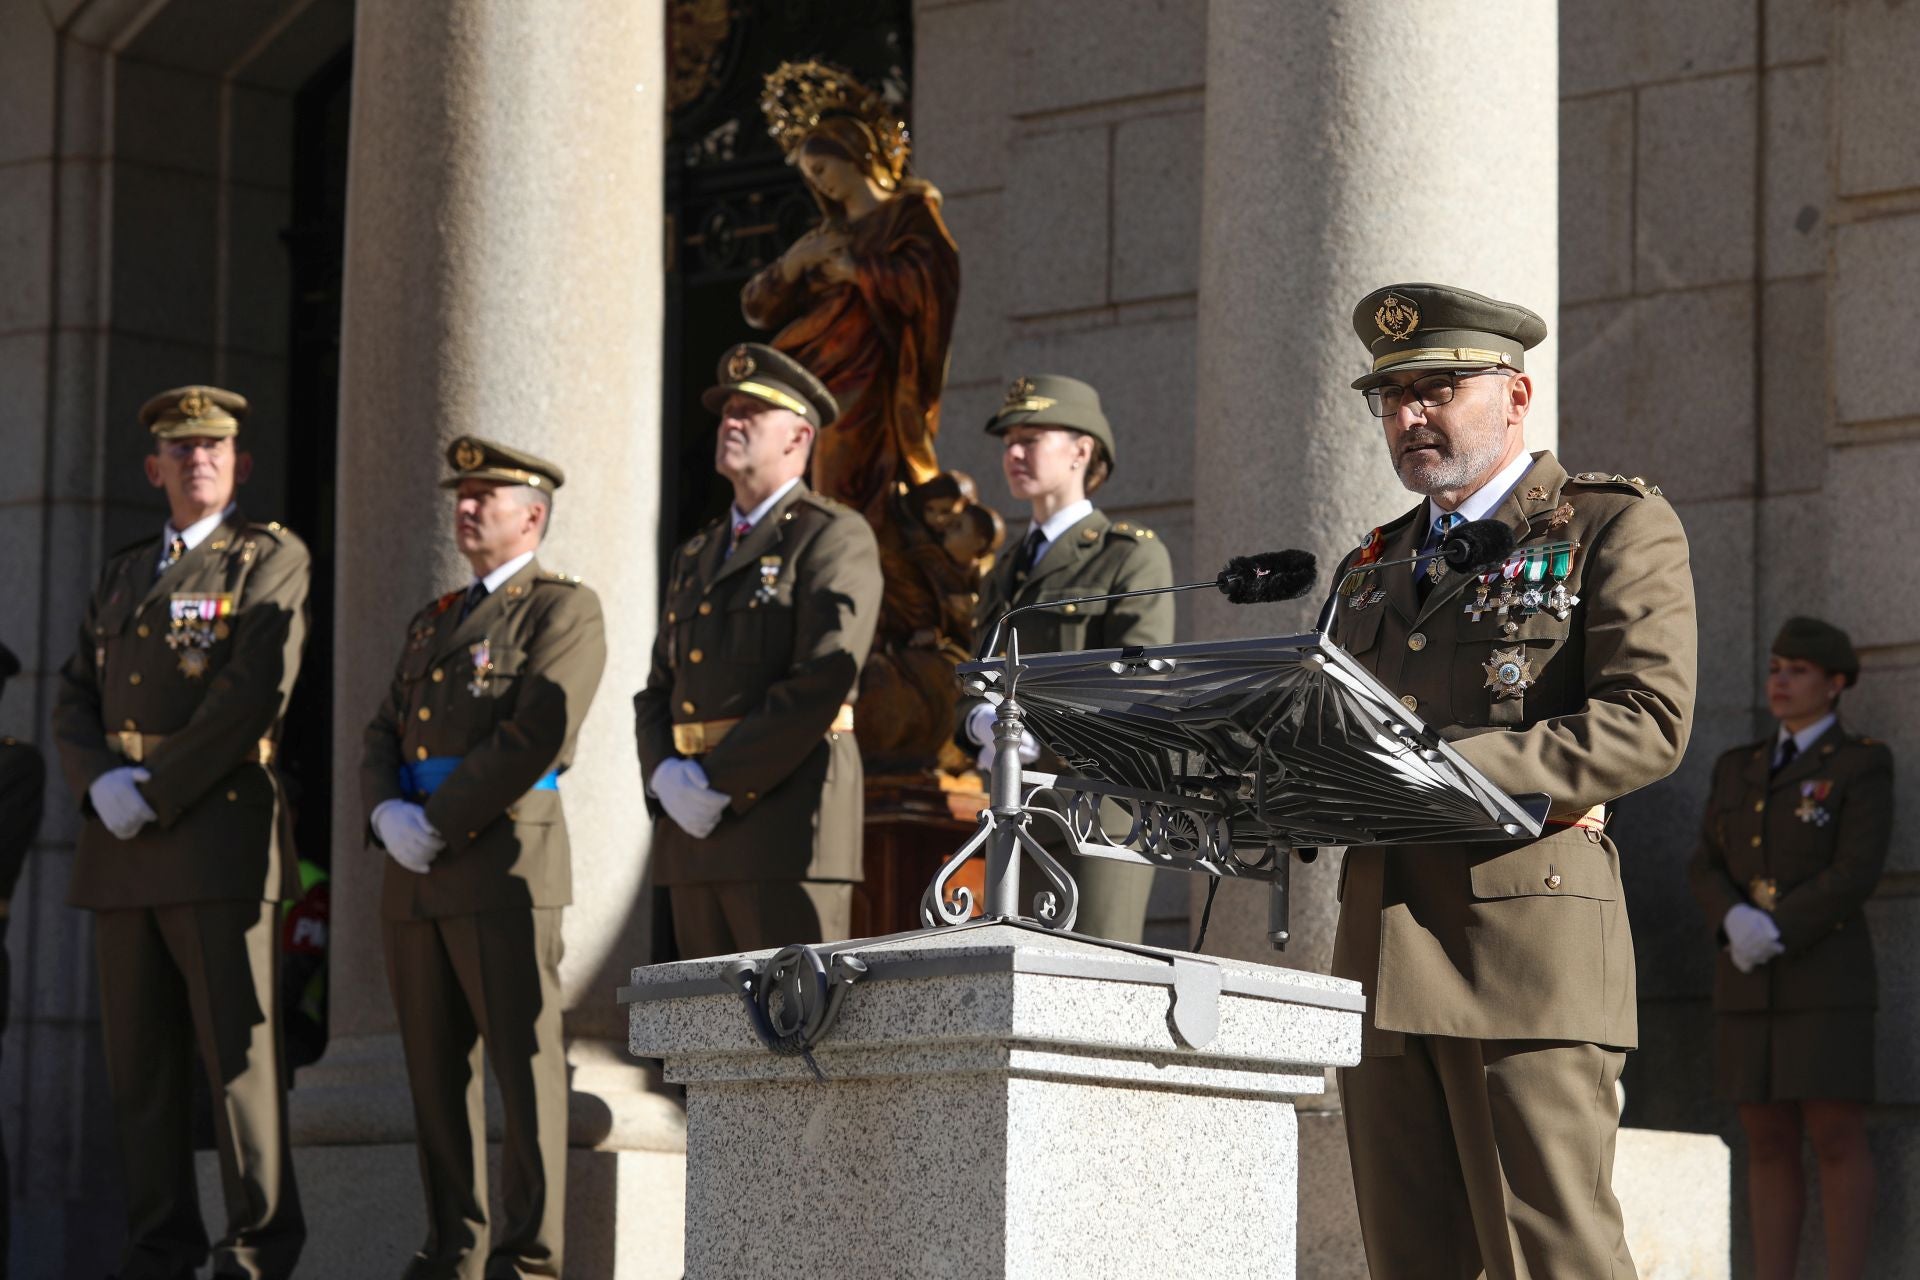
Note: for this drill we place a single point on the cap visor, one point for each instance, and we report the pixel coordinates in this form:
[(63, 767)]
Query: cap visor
[(1375, 378)]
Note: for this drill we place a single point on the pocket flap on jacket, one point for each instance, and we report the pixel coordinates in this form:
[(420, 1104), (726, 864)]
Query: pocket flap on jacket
[(1564, 865)]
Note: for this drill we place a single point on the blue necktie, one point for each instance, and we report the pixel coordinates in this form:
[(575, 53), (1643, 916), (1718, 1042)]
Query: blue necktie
[(1442, 526)]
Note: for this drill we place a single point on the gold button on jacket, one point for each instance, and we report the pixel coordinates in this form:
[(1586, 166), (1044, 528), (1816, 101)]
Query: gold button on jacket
[(209, 703), (518, 676), (1475, 940), (780, 629)]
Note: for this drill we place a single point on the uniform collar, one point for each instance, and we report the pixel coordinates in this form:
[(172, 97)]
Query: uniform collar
[(1062, 520), (196, 533), (498, 578), (759, 513), (1803, 741)]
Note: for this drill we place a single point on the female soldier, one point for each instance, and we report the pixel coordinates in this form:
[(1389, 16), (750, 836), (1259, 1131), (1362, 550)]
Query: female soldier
[(1795, 836), (1058, 448)]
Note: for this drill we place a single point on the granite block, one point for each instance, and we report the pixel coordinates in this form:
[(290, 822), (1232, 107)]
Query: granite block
[(1798, 30), (26, 239), (1799, 182), (1720, 547), (1057, 217), (1793, 533), (164, 227), (1793, 385), (962, 126), (1156, 206), (1894, 922), (978, 224), (1864, 483), (1876, 312), (1694, 183), (1596, 198), (1876, 97), (1074, 53), (28, 58), (166, 117), (1611, 44), (23, 389)]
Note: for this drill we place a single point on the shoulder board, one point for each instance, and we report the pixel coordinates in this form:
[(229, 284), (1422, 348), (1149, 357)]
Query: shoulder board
[(273, 529), (560, 579), (832, 506), (1629, 484), (1129, 529), (1865, 741)]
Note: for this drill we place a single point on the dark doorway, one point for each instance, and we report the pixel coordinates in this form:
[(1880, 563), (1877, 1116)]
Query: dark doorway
[(732, 202), (315, 246)]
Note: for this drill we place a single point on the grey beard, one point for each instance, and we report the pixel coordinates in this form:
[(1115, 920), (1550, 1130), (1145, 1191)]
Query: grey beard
[(1452, 471)]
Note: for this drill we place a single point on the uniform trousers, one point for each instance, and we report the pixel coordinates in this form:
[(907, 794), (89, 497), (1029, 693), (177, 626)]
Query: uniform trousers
[(723, 917), (463, 987), (173, 979), (1487, 1158)]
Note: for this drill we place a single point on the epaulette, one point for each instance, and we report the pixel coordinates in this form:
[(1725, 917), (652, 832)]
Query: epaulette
[(1865, 741), (832, 506), (1631, 484), (273, 529), (562, 579), (1135, 532)]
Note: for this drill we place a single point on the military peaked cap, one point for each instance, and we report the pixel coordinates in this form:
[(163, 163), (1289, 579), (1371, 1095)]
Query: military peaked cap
[(188, 412), (772, 376), (475, 459), (1050, 400), (1821, 643), (1436, 326)]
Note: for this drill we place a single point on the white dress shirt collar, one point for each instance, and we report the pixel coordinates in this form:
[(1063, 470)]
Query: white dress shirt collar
[(1482, 502), (759, 513), (194, 534), (498, 577), (1803, 741), (1059, 522)]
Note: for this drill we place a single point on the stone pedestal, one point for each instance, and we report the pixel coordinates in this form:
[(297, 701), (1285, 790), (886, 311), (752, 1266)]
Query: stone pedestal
[(1000, 1102)]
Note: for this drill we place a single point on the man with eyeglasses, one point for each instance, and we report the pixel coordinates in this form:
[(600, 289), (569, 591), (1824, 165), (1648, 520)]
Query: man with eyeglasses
[(166, 720), (1499, 976)]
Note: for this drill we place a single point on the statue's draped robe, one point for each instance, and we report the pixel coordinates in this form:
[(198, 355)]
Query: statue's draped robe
[(878, 342)]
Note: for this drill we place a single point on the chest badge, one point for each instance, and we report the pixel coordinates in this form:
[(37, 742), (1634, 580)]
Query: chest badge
[(1764, 892), (769, 579), (198, 623), (1509, 672), (1812, 809), (481, 651)]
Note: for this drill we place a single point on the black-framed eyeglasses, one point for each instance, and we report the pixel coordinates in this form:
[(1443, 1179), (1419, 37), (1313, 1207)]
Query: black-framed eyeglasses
[(1384, 400)]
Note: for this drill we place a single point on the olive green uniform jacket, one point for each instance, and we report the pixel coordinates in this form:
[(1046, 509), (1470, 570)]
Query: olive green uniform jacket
[(542, 643), (775, 635), (1527, 940), (1819, 829), (219, 835)]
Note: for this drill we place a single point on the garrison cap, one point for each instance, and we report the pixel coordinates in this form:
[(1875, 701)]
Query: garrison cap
[(1049, 400), (475, 459), (187, 412), (1821, 643), (775, 377), (1436, 326)]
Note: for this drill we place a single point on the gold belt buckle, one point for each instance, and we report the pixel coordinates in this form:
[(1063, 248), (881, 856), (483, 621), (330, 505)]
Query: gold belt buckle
[(131, 744), (1764, 891)]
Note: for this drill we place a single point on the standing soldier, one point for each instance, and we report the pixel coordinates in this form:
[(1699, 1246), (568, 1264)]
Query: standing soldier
[(23, 782), (166, 721), (1499, 976), (1795, 838), (460, 778), (745, 727), (1058, 449)]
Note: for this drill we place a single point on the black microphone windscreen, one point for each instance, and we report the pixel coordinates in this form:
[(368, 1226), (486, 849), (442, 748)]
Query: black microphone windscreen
[(1268, 577), (1477, 546)]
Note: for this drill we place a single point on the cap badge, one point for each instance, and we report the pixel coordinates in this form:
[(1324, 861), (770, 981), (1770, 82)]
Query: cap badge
[(195, 405), (740, 365), (1021, 398), (1397, 317), (468, 456)]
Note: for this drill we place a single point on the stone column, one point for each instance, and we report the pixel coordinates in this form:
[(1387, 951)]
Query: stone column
[(503, 276), (1348, 145)]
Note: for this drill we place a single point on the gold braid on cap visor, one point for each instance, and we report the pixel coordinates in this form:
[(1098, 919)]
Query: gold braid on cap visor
[(775, 396), (1466, 355)]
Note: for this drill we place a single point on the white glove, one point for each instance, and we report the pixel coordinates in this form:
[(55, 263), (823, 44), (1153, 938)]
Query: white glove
[(116, 798), (411, 840), (1752, 937), (980, 724), (681, 787)]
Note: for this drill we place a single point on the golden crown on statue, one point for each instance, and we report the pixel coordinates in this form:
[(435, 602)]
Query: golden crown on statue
[(799, 96)]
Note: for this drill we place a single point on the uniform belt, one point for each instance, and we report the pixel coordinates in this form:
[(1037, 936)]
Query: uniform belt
[(697, 737), (136, 746), (421, 778), (1593, 822)]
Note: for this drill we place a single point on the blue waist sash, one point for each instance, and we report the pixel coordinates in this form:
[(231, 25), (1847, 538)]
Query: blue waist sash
[(421, 778)]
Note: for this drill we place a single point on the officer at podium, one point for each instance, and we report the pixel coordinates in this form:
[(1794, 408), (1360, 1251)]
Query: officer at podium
[(1057, 449), (1499, 976)]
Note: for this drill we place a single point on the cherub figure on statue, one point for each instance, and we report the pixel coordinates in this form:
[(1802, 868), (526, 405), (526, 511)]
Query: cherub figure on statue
[(866, 300)]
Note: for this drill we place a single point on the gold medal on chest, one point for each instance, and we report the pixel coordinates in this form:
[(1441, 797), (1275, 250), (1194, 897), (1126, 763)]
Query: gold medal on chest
[(198, 622), (1509, 672), (481, 652), (769, 579)]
